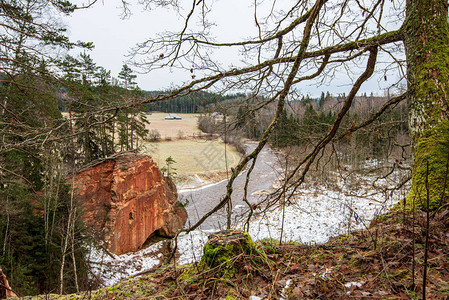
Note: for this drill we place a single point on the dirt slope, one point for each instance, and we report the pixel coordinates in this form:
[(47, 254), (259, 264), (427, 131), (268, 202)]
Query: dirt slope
[(383, 262)]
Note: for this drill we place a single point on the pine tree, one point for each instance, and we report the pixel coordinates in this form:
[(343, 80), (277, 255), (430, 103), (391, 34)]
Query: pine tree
[(31, 130)]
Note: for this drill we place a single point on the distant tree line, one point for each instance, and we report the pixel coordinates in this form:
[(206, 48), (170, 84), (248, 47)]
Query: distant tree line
[(306, 129), (305, 120), (192, 103)]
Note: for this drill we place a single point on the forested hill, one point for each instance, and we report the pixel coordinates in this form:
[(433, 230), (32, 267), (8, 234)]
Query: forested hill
[(192, 103)]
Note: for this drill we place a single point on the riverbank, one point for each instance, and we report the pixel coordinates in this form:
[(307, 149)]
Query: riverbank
[(314, 214), (383, 261)]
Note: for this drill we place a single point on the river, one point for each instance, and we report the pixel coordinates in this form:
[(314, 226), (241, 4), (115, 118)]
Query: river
[(202, 200)]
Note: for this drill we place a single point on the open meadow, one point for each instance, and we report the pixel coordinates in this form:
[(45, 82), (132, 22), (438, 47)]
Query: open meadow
[(193, 155), (173, 129)]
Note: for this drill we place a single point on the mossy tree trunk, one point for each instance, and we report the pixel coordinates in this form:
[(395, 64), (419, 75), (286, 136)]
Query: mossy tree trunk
[(427, 50)]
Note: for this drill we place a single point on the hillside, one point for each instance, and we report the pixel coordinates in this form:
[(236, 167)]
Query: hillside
[(384, 261)]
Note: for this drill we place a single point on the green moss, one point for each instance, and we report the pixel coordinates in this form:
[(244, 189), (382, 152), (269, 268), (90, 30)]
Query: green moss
[(215, 254), (190, 272), (221, 248), (434, 151), (343, 239), (382, 218)]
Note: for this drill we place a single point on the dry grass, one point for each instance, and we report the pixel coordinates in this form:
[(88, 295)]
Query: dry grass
[(194, 155), (172, 128)]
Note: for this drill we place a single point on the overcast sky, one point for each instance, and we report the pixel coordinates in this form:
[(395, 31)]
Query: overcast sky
[(114, 36)]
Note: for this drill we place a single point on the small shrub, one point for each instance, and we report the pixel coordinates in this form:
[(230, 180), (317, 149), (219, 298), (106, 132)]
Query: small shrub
[(180, 134), (154, 135), (207, 124)]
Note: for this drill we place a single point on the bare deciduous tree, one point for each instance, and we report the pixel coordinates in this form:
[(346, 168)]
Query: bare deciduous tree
[(315, 42)]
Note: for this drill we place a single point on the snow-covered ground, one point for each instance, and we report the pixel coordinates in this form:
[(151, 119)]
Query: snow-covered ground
[(110, 268), (318, 212)]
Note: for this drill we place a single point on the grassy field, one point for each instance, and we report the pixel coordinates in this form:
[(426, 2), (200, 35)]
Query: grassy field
[(194, 155), (172, 128)]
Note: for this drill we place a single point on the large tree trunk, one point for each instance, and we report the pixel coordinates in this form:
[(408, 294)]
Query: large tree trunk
[(427, 50)]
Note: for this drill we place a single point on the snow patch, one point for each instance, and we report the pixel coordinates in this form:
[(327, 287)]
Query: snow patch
[(284, 290), (319, 212), (353, 284), (318, 215), (190, 246), (111, 268)]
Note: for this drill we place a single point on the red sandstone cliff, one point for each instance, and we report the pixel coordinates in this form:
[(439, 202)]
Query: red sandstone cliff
[(126, 199), (5, 289)]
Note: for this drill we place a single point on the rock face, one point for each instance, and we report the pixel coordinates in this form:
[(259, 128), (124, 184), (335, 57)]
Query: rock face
[(126, 199), (5, 289)]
